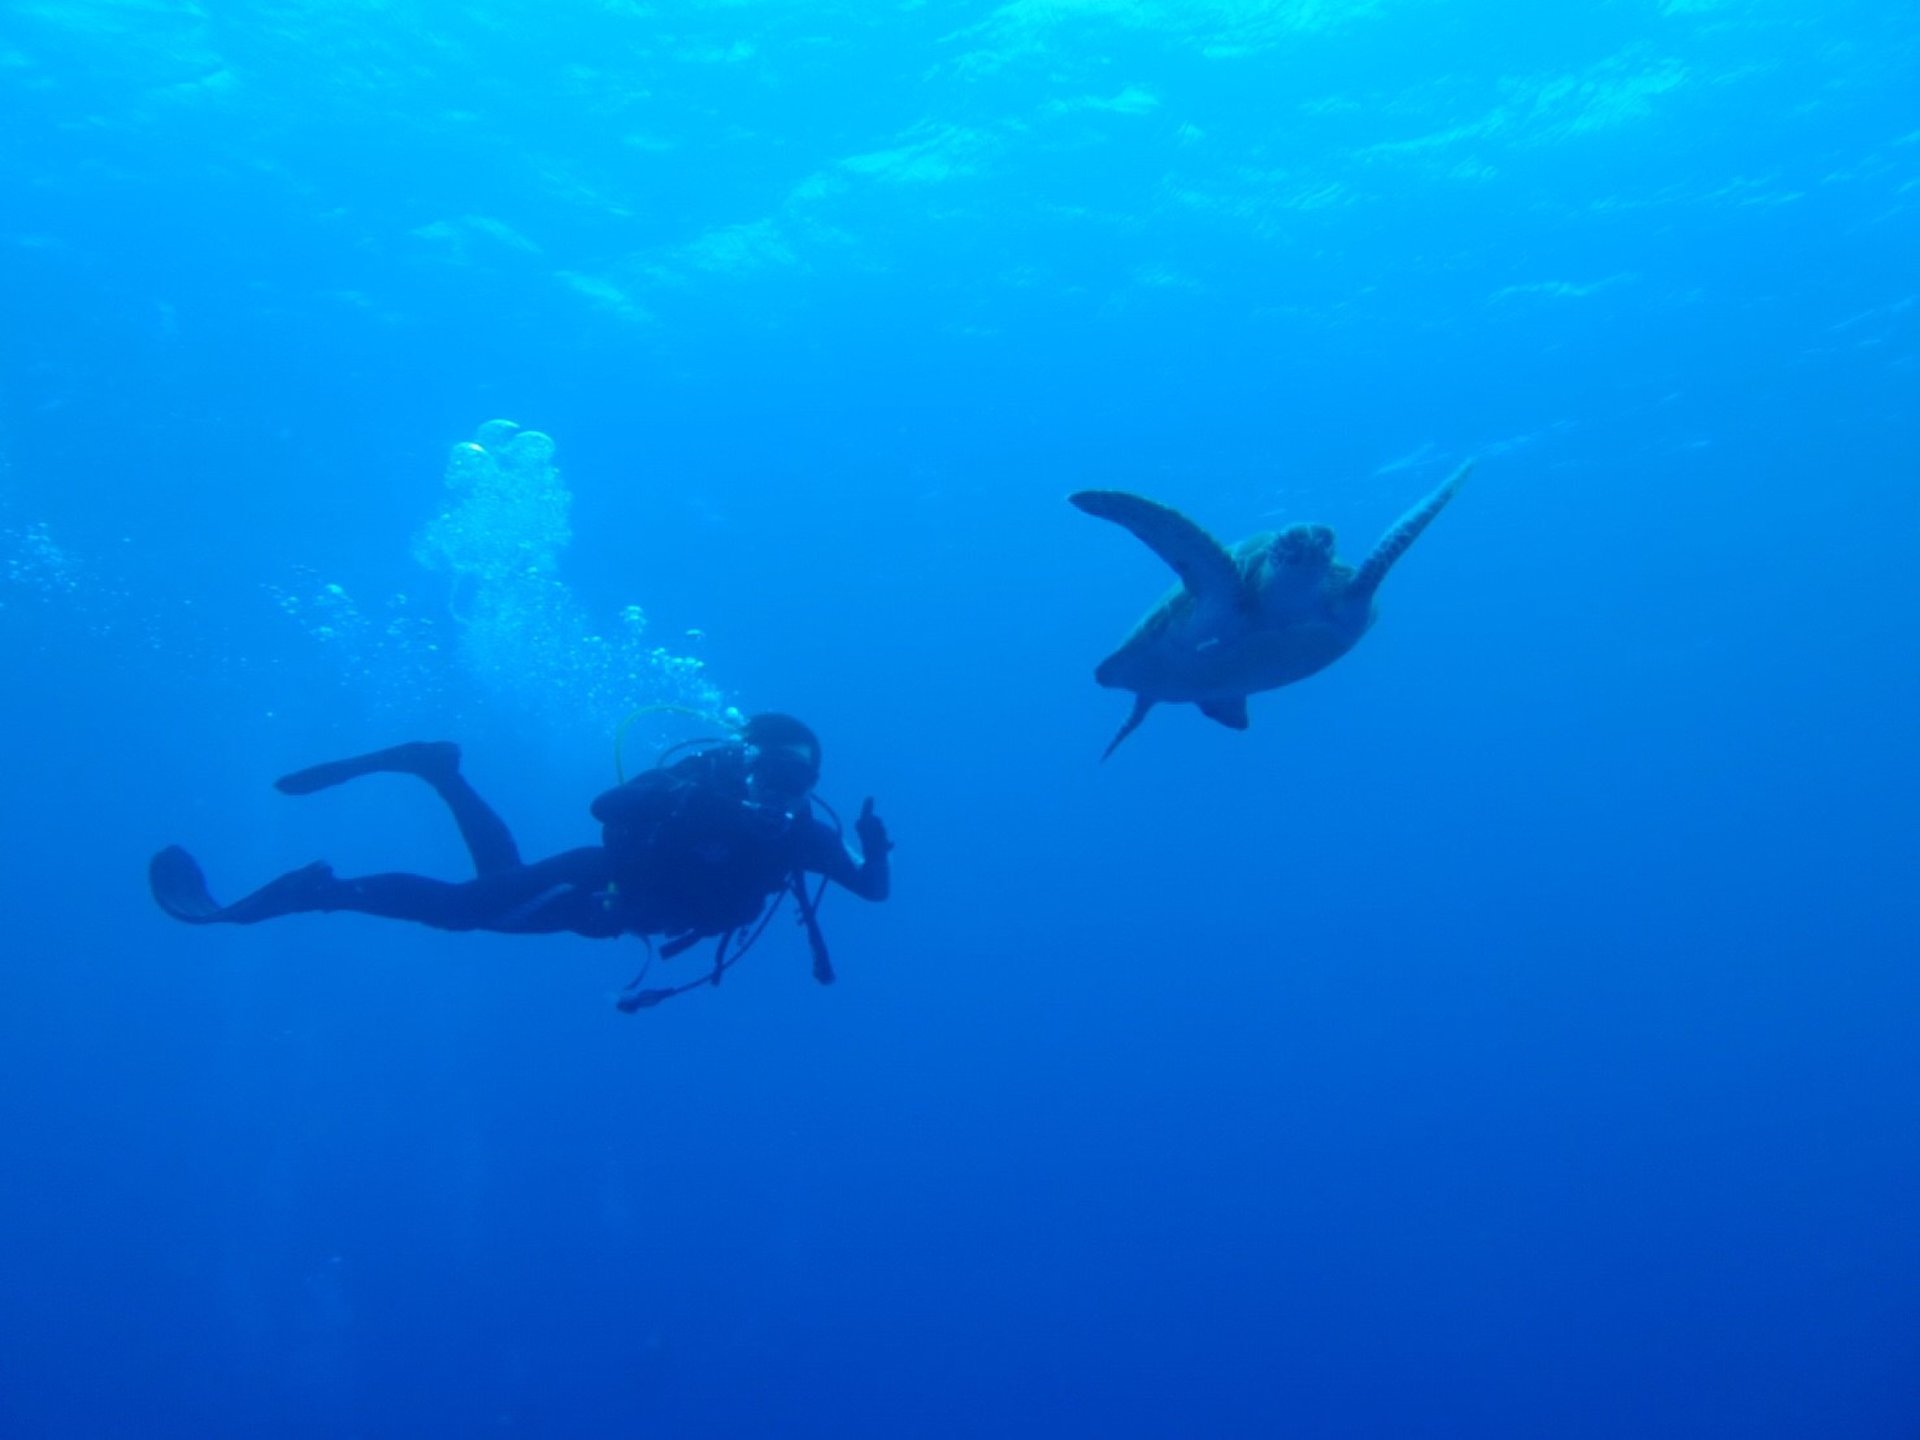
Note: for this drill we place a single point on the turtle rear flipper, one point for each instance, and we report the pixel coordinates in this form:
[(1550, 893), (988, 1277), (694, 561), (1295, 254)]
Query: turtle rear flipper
[(1230, 713)]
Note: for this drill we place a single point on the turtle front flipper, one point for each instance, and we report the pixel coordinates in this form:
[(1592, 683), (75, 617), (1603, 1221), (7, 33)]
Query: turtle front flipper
[(1211, 575), (1404, 532)]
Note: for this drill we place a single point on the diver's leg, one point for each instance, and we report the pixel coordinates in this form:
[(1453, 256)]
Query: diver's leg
[(437, 762), (567, 893), (564, 892), (487, 838)]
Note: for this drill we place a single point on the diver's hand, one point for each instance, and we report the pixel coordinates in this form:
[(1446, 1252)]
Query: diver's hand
[(872, 831)]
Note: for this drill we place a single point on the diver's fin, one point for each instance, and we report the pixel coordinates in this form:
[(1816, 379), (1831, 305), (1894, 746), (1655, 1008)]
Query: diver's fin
[(179, 887), (1203, 565), (1230, 713), (426, 758), (1141, 705), (1404, 532)]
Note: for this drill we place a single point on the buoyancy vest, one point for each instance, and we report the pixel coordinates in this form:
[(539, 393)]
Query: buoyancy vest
[(692, 855)]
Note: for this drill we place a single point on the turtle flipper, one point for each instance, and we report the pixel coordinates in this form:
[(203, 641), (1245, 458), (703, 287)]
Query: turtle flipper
[(1141, 705), (1230, 713), (1403, 533), (1210, 574)]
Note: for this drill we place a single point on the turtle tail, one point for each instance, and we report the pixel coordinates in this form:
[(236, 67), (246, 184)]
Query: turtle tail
[(1405, 531), (1141, 705)]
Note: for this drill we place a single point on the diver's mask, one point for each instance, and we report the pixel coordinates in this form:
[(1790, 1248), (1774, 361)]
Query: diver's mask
[(782, 775)]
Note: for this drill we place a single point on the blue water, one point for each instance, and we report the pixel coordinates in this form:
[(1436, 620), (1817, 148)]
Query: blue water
[(1511, 1034)]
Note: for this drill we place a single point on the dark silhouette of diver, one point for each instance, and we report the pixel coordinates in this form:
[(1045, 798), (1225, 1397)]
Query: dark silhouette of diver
[(701, 849)]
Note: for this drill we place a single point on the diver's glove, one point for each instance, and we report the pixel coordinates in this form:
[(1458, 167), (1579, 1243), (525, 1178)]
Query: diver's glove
[(872, 831)]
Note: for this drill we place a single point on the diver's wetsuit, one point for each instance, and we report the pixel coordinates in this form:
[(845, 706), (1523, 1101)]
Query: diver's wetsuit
[(597, 891)]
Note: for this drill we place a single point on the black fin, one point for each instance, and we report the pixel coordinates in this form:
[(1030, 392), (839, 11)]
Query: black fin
[(1230, 713), (416, 757), (180, 888)]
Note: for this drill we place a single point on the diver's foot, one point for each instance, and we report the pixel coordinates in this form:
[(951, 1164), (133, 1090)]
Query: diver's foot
[(297, 892), (429, 759)]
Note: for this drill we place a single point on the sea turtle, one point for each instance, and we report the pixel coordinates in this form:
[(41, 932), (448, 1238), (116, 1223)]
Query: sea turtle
[(1271, 611)]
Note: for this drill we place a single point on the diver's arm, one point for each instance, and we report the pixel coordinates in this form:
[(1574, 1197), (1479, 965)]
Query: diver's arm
[(872, 877)]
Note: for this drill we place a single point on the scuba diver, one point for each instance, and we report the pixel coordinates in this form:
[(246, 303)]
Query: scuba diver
[(703, 848)]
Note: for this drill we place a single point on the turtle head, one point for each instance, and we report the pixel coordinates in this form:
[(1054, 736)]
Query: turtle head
[(1307, 546), (1119, 671), (1289, 569)]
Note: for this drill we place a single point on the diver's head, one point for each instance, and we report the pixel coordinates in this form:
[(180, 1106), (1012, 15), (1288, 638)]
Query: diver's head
[(783, 759)]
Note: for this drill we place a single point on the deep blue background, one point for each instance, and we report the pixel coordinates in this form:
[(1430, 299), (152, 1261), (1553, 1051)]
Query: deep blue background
[(1510, 1035)]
